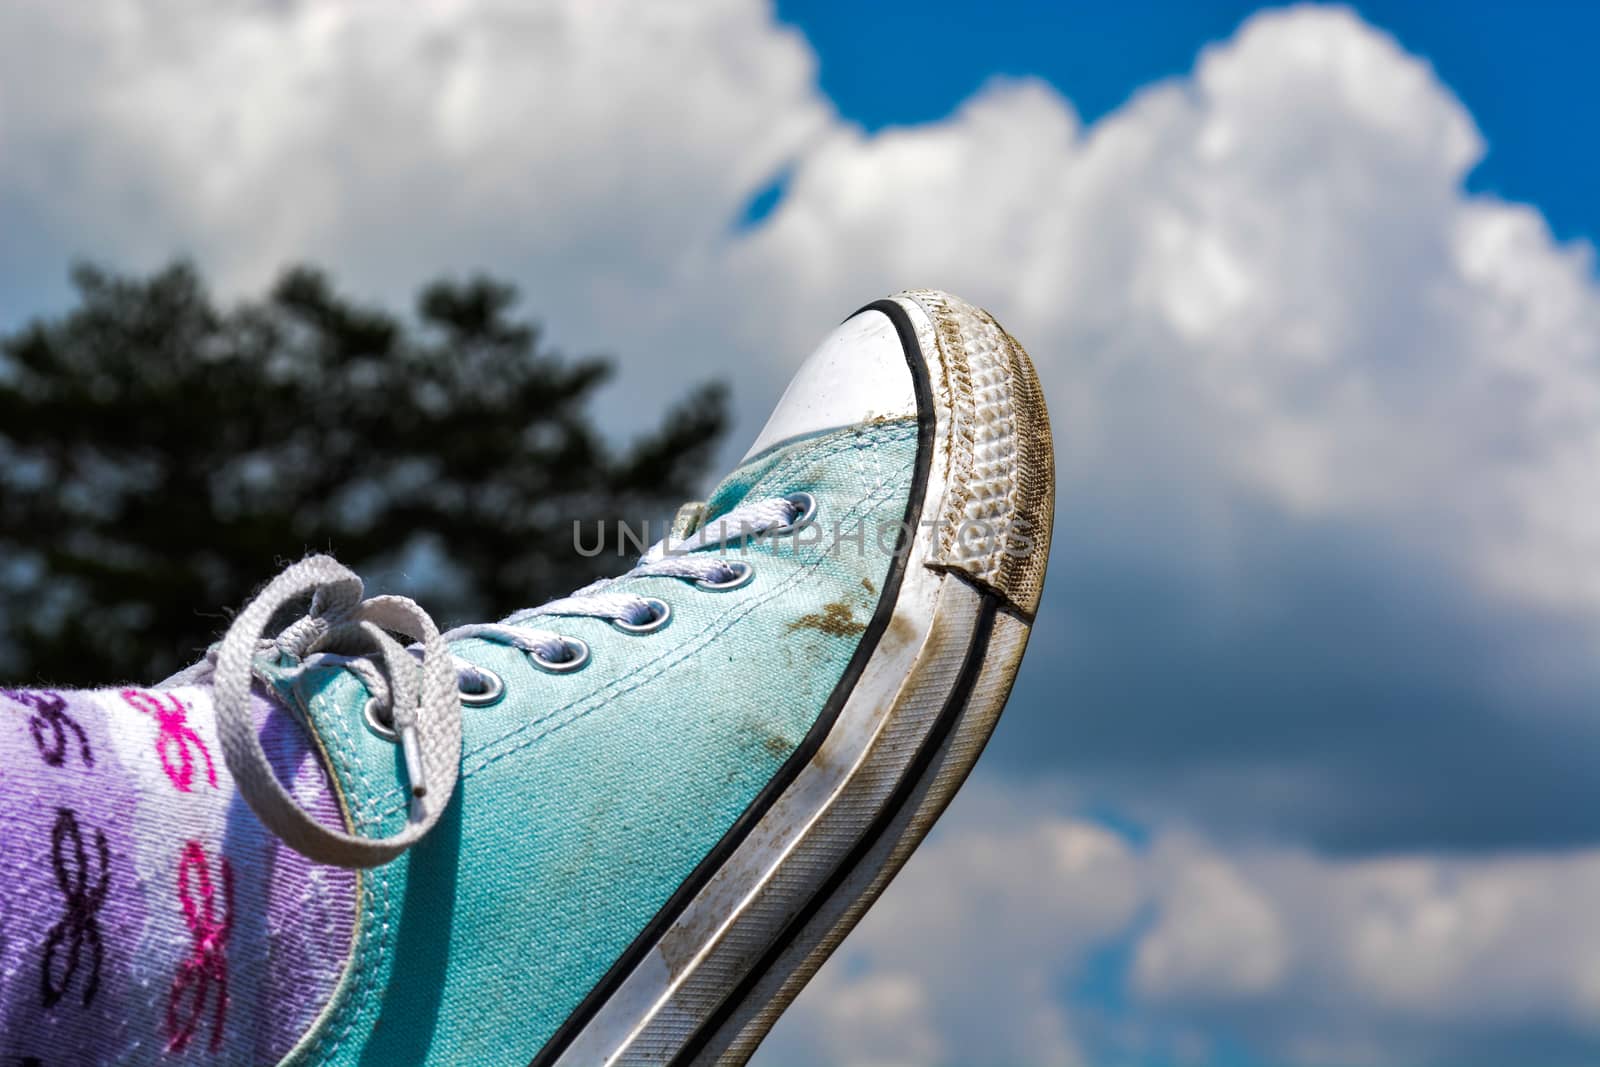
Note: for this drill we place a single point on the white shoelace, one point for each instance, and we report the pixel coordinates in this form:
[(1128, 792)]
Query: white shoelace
[(425, 704)]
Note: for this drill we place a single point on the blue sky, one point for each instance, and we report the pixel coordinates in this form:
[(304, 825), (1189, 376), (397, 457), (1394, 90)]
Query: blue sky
[(1299, 769), (1525, 73)]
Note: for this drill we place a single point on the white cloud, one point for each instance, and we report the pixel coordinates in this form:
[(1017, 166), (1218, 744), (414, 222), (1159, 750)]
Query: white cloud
[(1407, 959), (1217, 935), (966, 961), (1264, 275), (880, 1019), (1383, 960), (595, 153)]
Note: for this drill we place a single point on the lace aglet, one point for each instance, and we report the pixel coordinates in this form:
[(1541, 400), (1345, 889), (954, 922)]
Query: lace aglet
[(415, 774)]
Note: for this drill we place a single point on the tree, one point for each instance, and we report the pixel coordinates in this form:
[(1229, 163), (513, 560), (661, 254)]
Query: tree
[(161, 456)]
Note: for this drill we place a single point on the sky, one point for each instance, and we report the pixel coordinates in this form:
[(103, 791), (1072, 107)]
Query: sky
[(1299, 770), (1522, 73)]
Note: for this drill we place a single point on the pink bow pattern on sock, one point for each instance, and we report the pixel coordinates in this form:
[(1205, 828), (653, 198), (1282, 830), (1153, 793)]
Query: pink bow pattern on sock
[(206, 969), (176, 740)]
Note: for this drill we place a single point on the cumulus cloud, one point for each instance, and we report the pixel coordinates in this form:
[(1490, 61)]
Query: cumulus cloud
[(1414, 959), (1264, 277), (966, 961), (1217, 936), (1409, 958), (595, 153), (1328, 427), (1269, 265)]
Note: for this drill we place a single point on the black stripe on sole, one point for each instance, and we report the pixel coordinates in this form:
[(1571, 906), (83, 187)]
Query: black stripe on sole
[(949, 715)]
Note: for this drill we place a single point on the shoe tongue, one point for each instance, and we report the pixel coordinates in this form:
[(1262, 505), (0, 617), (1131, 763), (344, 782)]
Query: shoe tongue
[(687, 520), (735, 488)]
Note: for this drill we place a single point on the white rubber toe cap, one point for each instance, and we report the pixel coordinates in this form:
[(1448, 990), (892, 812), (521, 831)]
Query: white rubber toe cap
[(857, 374)]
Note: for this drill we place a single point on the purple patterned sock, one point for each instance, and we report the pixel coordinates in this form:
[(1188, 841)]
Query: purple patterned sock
[(148, 917)]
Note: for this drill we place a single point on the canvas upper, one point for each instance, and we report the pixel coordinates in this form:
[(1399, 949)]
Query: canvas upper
[(586, 799)]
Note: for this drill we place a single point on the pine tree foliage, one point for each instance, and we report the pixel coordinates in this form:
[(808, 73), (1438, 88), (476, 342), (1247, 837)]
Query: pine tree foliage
[(161, 456)]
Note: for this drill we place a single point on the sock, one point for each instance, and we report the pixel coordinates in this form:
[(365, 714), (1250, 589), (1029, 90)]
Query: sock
[(147, 915)]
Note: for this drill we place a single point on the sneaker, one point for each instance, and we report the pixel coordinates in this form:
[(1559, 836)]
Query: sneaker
[(626, 826)]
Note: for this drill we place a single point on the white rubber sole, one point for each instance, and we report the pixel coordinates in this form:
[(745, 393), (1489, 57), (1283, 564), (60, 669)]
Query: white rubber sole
[(718, 972), (741, 1030)]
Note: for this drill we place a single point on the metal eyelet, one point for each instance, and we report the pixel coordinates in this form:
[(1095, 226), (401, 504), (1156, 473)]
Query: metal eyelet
[(577, 657), (742, 573), (808, 511), (494, 688), (662, 615), (369, 712)]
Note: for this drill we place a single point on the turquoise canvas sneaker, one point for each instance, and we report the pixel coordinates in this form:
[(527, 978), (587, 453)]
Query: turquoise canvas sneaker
[(624, 827)]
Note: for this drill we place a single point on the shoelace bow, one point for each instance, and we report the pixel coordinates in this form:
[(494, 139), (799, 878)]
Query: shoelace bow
[(424, 703)]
